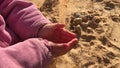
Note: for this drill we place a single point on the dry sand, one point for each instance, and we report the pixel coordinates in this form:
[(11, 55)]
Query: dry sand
[(97, 25)]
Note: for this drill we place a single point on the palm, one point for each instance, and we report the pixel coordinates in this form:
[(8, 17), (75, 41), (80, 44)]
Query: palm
[(56, 33)]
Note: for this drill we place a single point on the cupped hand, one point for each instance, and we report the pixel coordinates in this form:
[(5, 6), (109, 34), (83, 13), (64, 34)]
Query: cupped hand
[(58, 49), (56, 33)]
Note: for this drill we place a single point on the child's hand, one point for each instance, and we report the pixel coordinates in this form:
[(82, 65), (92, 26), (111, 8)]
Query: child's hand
[(61, 40), (56, 33), (58, 49)]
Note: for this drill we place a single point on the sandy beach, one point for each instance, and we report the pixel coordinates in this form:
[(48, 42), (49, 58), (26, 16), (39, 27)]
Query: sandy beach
[(97, 25)]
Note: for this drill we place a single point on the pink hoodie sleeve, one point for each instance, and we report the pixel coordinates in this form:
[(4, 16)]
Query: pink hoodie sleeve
[(31, 53), (22, 17)]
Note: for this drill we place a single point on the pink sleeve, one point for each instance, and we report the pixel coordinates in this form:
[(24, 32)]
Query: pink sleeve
[(31, 53), (22, 17)]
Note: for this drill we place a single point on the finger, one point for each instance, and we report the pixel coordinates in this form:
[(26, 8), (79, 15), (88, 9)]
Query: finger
[(65, 39), (63, 36), (68, 33), (72, 43)]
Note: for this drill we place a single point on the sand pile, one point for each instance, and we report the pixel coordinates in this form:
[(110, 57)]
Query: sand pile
[(97, 25)]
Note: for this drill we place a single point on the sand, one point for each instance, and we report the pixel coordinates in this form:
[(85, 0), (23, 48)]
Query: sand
[(97, 25)]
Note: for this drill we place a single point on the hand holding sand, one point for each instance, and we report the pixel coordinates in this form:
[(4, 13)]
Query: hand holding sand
[(61, 40), (56, 33)]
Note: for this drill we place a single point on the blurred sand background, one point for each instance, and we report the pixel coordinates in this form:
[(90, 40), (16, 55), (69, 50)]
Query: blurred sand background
[(97, 25)]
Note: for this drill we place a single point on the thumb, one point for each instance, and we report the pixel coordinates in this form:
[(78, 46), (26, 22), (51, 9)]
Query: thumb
[(72, 43)]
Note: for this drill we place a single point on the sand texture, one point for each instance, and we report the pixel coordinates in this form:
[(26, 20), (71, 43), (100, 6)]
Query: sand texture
[(97, 25)]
